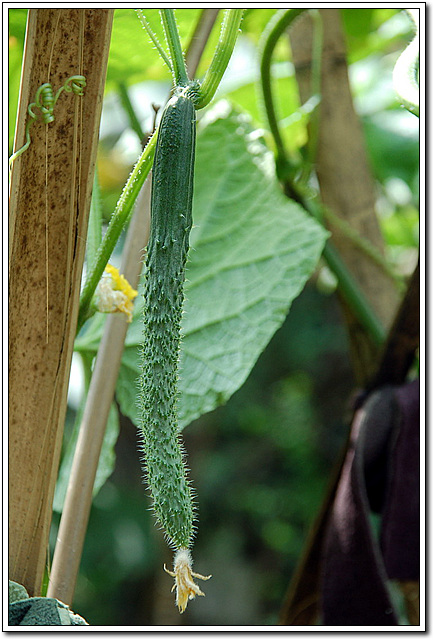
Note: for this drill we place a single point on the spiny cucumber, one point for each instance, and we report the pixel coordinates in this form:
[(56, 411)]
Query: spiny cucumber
[(171, 220)]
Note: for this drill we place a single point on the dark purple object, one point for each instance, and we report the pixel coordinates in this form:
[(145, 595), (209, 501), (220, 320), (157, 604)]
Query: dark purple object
[(400, 539), (381, 474)]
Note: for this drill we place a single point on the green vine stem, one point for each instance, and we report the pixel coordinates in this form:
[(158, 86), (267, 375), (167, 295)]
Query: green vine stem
[(225, 46), (179, 70), (286, 166), (119, 219), (94, 228), (369, 249), (353, 295), (405, 72), (286, 172), (349, 288)]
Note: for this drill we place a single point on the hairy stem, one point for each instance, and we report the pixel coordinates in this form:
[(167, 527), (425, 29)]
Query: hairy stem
[(277, 25), (94, 234), (225, 46), (179, 70), (118, 220)]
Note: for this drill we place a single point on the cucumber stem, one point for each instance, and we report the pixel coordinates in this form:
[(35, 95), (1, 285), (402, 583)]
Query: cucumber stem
[(225, 46), (179, 70), (353, 295)]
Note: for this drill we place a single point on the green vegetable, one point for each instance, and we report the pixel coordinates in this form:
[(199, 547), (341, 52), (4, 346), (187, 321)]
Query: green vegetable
[(171, 220), (171, 205)]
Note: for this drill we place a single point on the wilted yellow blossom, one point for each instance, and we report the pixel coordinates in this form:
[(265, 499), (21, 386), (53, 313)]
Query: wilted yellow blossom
[(185, 587), (114, 293)]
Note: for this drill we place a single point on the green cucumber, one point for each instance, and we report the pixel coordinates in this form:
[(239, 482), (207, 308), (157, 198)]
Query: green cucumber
[(171, 220)]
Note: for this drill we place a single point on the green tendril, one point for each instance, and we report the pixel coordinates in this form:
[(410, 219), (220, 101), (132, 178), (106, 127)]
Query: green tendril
[(45, 101)]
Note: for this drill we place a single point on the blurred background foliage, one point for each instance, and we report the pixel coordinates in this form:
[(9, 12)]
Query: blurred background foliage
[(259, 464)]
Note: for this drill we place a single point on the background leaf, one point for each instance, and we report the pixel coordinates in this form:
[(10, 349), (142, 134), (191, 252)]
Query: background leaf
[(252, 252), (17, 19)]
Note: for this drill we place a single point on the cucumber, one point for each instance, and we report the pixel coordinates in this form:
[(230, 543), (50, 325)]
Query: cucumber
[(171, 220)]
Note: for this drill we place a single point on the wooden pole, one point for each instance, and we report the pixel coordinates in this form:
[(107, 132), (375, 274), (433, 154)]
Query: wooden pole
[(51, 185), (78, 500)]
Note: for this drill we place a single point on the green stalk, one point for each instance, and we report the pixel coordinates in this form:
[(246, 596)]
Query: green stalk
[(363, 244), (349, 288), (353, 295), (119, 219), (179, 70), (277, 25), (126, 103), (225, 46)]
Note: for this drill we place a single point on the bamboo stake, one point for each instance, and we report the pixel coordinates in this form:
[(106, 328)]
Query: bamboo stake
[(75, 515), (51, 183)]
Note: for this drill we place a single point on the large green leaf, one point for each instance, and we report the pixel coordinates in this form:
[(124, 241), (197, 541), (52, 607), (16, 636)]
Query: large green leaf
[(252, 252)]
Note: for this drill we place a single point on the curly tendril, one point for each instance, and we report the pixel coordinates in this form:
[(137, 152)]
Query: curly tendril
[(45, 101)]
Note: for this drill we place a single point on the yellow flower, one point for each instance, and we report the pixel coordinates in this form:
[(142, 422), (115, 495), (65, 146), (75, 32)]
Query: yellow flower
[(114, 293)]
